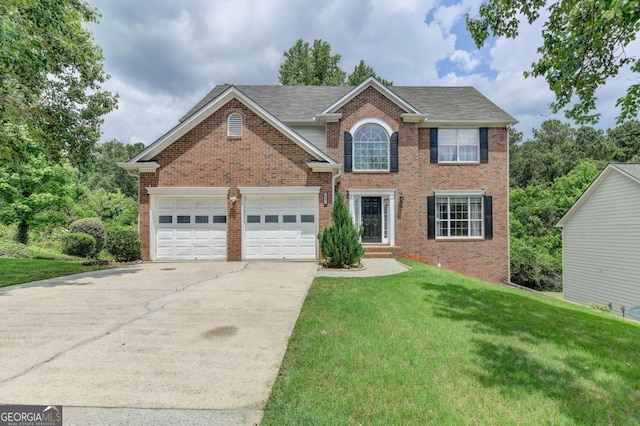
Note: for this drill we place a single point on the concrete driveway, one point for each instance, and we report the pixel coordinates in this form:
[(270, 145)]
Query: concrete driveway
[(157, 343)]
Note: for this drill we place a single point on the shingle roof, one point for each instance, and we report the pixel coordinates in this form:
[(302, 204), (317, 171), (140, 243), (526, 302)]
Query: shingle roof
[(441, 104), (632, 169)]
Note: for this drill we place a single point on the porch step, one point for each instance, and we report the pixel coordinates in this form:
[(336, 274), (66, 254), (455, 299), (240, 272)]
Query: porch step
[(378, 255), (376, 251)]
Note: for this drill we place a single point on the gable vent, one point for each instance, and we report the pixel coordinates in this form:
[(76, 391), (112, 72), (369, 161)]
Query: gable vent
[(234, 125)]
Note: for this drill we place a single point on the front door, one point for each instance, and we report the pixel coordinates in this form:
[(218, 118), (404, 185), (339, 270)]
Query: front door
[(372, 219)]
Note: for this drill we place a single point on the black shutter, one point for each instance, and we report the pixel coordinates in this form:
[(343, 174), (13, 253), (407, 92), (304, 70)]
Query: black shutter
[(433, 145), (348, 149), (393, 151), (431, 217), (484, 145), (488, 217)]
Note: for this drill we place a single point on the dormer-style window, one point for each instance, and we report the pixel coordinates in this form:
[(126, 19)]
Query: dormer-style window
[(234, 125)]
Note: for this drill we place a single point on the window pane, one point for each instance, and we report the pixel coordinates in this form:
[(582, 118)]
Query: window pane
[(468, 153), (307, 218), (289, 218), (184, 219), (447, 153), (253, 219), (202, 219), (165, 219), (271, 218), (221, 219)]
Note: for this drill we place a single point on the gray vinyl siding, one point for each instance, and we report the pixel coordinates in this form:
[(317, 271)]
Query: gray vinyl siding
[(601, 246), (314, 134)]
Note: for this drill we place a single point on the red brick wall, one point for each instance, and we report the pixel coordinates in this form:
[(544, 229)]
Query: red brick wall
[(418, 178), (207, 157)]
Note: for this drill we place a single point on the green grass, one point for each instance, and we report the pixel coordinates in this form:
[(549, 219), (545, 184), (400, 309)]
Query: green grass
[(433, 347), (18, 271)]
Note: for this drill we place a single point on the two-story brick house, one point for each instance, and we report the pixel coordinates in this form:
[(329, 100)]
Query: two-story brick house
[(250, 173)]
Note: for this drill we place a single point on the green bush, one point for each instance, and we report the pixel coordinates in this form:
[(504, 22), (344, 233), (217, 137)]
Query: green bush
[(124, 244), (92, 226), (340, 241), (79, 244)]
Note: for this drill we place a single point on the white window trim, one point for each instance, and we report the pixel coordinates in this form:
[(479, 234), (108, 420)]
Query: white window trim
[(353, 131), (391, 214), (240, 122), (458, 146), (467, 194)]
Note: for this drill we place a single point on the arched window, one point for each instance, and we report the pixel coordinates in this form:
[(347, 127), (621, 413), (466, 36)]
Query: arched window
[(371, 148), (234, 125)]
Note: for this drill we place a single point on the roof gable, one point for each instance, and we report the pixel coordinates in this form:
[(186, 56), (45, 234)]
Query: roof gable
[(371, 82), (629, 170), (210, 107)]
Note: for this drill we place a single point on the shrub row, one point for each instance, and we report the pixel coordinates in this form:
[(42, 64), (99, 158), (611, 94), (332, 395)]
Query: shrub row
[(87, 237)]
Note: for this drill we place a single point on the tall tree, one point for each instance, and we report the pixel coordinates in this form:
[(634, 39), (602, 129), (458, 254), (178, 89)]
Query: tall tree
[(30, 186), (50, 77), (311, 65), (584, 45), (314, 65), (363, 71)]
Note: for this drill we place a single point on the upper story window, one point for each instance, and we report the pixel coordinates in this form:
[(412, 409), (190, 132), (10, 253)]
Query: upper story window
[(234, 125), (371, 148), (458, 145)]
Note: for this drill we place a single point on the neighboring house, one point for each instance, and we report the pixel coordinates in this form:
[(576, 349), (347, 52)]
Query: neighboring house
[(601, 241), (250, 173)]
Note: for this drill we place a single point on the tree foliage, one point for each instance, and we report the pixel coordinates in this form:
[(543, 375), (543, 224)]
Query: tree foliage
[(314, 65), (50, 76), (362, 72), (548, 174), (584, 45), (31, 188), (340, 241)]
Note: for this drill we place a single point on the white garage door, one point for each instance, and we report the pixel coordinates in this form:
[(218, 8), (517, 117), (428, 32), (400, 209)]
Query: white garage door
[(190, 228), (280, 228)]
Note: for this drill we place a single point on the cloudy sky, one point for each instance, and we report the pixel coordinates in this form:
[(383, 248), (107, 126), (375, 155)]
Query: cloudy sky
[(164, 55)]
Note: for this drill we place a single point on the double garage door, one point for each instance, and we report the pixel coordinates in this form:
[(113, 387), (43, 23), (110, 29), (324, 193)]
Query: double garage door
[(273, 228)]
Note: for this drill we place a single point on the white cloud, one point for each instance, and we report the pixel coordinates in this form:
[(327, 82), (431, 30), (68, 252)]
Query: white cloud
[(163, 58)]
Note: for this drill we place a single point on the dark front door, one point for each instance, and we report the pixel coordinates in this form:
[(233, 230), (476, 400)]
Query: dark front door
[(372, 219)]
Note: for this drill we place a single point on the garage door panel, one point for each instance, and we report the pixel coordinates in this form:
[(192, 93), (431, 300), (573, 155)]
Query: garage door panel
[(280, 233), (197, 237)]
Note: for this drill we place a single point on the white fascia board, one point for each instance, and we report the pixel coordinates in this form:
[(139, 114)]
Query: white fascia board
[(333, 117), (318, 167), (144, 167), (461, 192), (371, 82), (211, 107), (586, 194), (413, 118), (188, 191), (461, 124), (279, 190)]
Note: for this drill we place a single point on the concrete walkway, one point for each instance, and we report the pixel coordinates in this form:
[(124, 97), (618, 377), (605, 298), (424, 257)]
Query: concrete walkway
[(372, 268)]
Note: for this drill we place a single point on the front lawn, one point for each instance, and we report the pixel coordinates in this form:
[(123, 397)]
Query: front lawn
[(17, 271), (433, 347)]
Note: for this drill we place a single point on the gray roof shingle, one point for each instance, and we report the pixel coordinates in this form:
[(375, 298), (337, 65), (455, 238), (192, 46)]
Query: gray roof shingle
[(632, 169), (441, 104)]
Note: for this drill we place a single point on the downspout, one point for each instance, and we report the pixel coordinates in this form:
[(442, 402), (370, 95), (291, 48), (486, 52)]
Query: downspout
[(334, 182)]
